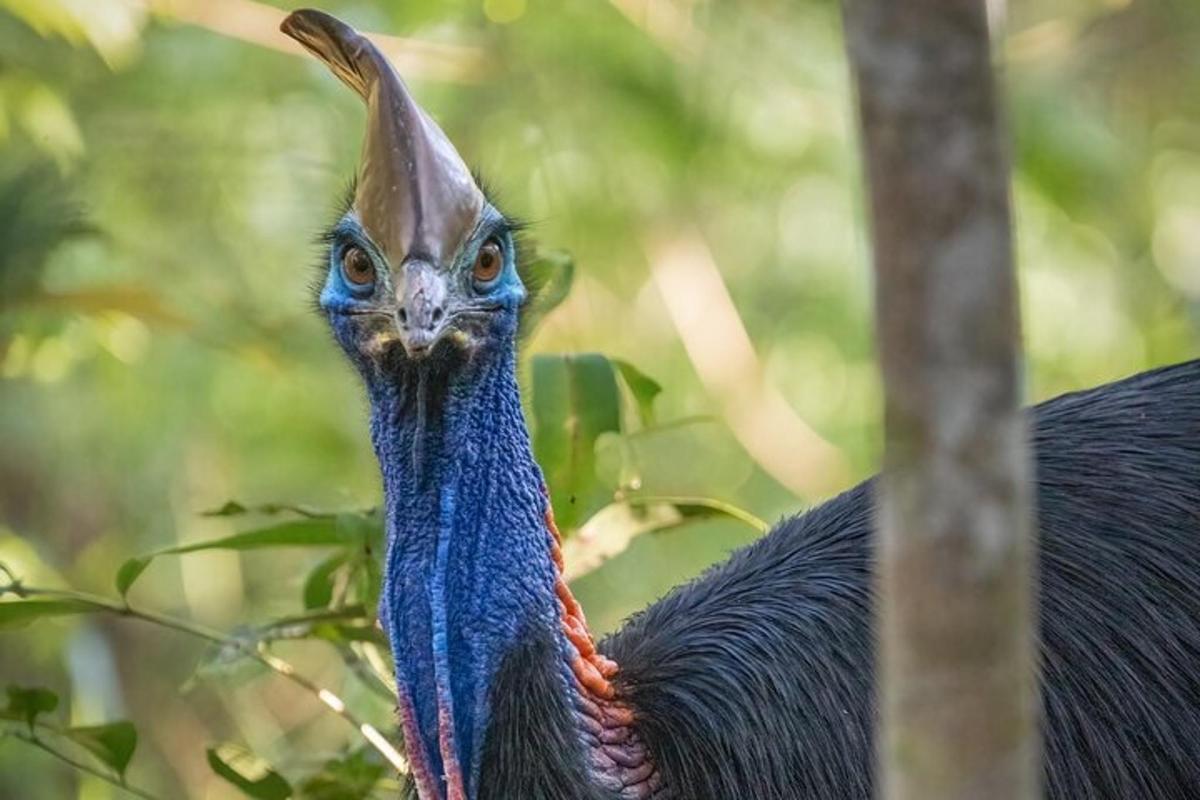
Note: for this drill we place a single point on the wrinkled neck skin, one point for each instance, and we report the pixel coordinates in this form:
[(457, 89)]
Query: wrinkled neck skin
[(473, 567)]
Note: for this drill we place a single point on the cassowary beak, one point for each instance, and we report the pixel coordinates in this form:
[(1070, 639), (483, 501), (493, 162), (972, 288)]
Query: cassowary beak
[(415, 197), (422, 306)]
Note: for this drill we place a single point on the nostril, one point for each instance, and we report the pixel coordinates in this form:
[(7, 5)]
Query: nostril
[(437, 315), (403, 316)]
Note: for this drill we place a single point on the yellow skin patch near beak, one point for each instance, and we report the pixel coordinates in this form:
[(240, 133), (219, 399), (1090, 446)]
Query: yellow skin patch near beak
[(381, 340)]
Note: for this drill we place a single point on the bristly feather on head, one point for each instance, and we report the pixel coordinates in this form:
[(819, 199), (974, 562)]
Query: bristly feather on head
[(534, 279)]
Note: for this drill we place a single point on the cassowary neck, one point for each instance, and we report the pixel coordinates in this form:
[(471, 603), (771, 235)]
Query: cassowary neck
[(473, 567)]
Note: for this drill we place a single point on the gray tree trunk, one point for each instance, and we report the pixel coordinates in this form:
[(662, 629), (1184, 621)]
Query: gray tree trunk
[(957, 688)]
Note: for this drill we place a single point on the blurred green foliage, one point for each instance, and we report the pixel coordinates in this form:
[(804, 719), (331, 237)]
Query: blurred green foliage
[(164, 173)]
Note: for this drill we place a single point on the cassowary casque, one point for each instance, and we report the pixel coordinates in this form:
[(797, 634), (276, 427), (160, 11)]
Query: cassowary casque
[(753, 682)]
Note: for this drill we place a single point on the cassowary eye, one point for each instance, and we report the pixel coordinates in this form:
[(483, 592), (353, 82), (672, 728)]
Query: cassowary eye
[(488, 262), (357, 267)]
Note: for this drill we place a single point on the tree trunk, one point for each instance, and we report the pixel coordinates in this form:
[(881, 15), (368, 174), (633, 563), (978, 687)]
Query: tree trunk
[(957, 688)]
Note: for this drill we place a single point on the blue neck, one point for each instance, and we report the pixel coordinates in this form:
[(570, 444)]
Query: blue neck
[(469, 566)]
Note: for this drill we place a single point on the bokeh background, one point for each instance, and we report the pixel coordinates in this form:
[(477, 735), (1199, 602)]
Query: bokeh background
[(166, 165)]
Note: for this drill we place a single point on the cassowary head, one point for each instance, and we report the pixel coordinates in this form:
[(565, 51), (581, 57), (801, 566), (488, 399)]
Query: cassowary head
[(421, 266)]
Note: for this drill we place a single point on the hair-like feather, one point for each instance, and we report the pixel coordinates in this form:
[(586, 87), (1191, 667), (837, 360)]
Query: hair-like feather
[(525, 257), (755, 681)]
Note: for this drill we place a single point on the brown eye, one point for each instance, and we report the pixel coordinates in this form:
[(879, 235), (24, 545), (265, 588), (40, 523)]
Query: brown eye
[(488, 262), (357, 267)]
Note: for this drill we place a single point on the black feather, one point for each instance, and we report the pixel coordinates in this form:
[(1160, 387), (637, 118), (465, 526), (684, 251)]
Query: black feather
[(532, 751), (755, 681)]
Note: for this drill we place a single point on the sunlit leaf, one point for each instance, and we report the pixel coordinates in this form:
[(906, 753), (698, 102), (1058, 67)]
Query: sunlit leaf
[(248, 772), (48, 120), (643, 388), (574, 400), (26, 704), (112, 743), (611, 530), (112, 29), (16, 613)]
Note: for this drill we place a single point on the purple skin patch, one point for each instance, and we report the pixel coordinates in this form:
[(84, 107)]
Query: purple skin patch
[(418, 764)]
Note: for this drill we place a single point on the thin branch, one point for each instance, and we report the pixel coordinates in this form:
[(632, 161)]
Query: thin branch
[(301, 625), (256, 651), (13, 580), (362, 669), (83, 767)]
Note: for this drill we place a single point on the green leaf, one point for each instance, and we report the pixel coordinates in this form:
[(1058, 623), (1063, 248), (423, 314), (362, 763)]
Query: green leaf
[(643, 388), (130, 571), (350, 633), (112, 743), (323, 531), (632, 516), (17, 613), (574, 400), (25, 704), (349, 778), (319, 532), (363, 530), (370, 582), (553, 273), (248, 772), (232, 508), (318, 586), (691, 509)]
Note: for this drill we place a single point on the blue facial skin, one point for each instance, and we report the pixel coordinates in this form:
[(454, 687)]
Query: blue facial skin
[(468, 568), (340, 298)]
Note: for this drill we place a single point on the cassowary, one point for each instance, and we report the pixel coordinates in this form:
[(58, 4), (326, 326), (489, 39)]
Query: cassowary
[(753, 682)]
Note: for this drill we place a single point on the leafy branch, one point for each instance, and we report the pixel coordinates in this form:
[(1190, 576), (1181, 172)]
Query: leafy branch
[(585, 409), (37, 602), (112, 744), (82, 766)]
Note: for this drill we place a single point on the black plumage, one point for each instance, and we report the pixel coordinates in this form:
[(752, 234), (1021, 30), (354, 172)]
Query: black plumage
[(755, 681)]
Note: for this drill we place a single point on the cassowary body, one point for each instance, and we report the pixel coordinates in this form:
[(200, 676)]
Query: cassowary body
[(754, 682)]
